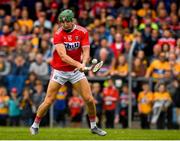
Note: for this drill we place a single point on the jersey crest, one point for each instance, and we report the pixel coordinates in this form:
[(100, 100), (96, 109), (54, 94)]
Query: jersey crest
[(69, 37)]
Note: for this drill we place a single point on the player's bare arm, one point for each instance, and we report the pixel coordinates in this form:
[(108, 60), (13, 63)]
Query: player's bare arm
[(86, 53), (65, 58)]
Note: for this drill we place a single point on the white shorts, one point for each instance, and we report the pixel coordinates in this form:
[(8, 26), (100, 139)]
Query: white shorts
[(62, 77)]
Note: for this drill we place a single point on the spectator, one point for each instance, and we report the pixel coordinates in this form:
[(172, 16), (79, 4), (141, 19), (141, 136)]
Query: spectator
[(139, 42), (8, 21), (176, 98), (16, 29), (128, 37), (25, 20), (133, 25), (27, 107), (167, 38), (39, 95), (24, 35), (103, 32), (39, 67), (103, 15), (19, 66), (118, 46), (160, 5), (121, 23), (52, 13), (121, 68), (14, 108), (4, 69), (107, 57), (162, 17), (162, 100), (175, 25), (172, 118), (139, 69), (151, 43), (177, 50), (145, 10), (145, 100), (97, 6), (112, 8), (67, 4), (35, 38), (26, 48), (110, 98), (122, 108), (3, 106), (2, 15), (42, 21), (31, 80), (95, 44), (175, 66), (60, 106), (75, 105), (84, 19), (158, 67), (16, 13), (156, 51), (5, 66), (38, 8), (110, 22), (46, 50), (96, 91), (125, 9), (127, 46), (146, 35), (7, 40), (166, 49), (112, 33), (173, 8), (142, 57)]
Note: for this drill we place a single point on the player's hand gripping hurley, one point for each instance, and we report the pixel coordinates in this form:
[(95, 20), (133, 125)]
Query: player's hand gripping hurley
[(95, 66)]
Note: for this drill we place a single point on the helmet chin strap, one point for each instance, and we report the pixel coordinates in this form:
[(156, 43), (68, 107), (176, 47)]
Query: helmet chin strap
[(68, 30)]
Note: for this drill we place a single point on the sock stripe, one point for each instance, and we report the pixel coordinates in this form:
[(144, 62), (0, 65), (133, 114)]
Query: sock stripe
[(92, 118), (38, 119)]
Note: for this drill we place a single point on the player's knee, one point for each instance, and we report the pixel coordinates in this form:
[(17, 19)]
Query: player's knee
[(89, 99)]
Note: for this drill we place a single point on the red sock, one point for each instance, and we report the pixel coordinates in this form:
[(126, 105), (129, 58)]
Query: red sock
[(92, 118), (38, 119)]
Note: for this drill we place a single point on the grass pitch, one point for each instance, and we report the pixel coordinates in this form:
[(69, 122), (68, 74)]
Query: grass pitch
[(10, 133)]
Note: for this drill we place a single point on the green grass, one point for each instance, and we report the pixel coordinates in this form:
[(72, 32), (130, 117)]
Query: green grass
[(9, 133)]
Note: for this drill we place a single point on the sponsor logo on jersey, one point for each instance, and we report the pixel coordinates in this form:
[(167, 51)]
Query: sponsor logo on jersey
[(72, 45)]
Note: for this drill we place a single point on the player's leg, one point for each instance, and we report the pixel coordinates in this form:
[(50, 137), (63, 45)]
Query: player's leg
[(52, 90), (83, 87)]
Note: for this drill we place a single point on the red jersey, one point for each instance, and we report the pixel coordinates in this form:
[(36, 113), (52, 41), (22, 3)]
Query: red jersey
[(73, 41), (117, 49), (110, 97), (169, 41), (8, 40), (75, 105)]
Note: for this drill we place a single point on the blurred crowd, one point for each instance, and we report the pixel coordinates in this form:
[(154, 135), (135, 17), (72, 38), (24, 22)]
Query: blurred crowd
[(26, 35)]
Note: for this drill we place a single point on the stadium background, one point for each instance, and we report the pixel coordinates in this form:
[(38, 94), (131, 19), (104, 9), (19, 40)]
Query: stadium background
[(27, 28)]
